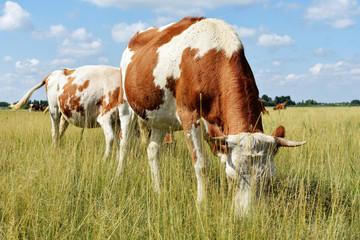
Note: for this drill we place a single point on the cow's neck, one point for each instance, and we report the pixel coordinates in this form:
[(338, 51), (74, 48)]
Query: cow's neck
[(240, 102)]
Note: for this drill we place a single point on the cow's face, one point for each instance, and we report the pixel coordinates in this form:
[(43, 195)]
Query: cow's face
[(250, 156)]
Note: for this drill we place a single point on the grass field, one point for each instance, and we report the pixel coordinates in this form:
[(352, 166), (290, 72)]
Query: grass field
[(71, 192)]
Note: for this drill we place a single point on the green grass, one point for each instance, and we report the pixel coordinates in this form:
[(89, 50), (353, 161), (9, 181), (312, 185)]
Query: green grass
[(72, 192)]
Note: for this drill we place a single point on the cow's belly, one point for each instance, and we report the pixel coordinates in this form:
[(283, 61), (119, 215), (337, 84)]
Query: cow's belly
[(165, 117), (82, 115), (86, 120)]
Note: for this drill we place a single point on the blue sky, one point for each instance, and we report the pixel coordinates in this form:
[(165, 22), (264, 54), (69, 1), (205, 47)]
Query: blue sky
[(306, 49)]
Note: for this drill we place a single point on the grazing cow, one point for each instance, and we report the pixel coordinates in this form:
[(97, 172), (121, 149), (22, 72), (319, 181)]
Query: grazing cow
[(194, 74), (280, 106), (86, 97), (35, 107)]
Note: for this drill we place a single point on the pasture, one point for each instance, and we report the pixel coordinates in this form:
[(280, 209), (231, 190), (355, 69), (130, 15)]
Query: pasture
[(72, 192)]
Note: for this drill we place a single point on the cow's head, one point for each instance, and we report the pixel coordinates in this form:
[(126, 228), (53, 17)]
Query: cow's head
[(249, 158)]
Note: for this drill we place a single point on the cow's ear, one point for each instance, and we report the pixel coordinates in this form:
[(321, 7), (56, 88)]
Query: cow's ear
[(279, 132)]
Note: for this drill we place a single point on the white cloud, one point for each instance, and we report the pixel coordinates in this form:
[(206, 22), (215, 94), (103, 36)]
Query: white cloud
[(103, 60), (61, 62), (341, 69), (162, 21), (7, 78), (272, 40), (343, 23), (54, 31), (336, 13), (316, 69), (80, 44), (122, 32), (7, 59), (277, 63), (244, 32), (29, 65), (14, 17), (288, 6), (174, 7)]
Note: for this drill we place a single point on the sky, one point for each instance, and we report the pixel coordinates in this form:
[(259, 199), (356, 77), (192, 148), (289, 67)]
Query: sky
[(307, 49)]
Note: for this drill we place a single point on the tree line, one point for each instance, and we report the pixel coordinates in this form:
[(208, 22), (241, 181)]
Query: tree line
[(268, 102), (43, 103)]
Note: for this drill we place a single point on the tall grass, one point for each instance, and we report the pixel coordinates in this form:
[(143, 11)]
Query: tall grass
[(72, 192)]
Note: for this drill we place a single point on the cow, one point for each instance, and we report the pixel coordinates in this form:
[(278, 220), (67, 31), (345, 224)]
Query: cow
[(86, 97), (35, 107), (280, 106), (193, 76)]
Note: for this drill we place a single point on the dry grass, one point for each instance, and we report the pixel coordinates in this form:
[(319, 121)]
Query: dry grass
[(71, 193)]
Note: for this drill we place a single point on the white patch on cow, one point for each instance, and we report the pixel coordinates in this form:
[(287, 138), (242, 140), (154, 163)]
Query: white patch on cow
[(250, 159), (255, 146), (125, 61), (204, 35), (242, 200), (164, 27), (202, 164)]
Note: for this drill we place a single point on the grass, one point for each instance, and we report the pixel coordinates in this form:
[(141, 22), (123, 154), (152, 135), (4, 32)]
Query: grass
[(71, 192)]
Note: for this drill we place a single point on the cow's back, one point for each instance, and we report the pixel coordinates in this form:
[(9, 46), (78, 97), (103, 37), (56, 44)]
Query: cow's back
[(87, 93)]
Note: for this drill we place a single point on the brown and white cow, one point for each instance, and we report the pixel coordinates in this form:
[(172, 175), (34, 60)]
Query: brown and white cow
[(280, 106), (86, 97), (191, 74), (35, 107)]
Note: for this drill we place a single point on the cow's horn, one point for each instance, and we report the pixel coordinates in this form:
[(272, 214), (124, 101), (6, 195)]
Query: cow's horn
[(282, 142)]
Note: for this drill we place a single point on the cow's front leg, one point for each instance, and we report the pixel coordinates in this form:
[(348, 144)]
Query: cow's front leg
[(153, 155), (195, 142)]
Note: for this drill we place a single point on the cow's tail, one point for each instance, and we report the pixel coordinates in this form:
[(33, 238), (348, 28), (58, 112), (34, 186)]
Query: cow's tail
[(25, 99), (46, 110)]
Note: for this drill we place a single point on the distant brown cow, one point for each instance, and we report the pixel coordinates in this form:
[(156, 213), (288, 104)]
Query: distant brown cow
[(35, 107), (280, 106)]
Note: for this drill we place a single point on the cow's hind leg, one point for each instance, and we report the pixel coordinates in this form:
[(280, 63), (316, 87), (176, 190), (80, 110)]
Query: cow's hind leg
[(127, 122), (109, 132), (153, 155), (63, 126), (55, 120)]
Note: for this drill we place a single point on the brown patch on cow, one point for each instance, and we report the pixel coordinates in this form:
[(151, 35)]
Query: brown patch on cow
[(46, 80), (279, 132), (171, 85), (168, 138), (68, 101), (141, 92), (68, 72), (84, 86), (229, 95), (113, 101)]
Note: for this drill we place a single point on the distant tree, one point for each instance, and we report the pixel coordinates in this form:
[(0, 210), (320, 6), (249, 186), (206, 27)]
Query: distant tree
[(267, 100), (355, 102), (44, 103), (4, 104), (310, 102), (284, 99)]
